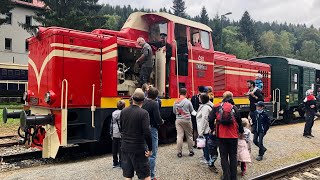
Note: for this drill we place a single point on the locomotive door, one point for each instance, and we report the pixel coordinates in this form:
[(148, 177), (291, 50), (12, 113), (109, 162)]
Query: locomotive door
[(181, 53)]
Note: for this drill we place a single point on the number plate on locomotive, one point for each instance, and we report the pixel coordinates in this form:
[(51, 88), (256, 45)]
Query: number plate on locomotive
[(34, 101)]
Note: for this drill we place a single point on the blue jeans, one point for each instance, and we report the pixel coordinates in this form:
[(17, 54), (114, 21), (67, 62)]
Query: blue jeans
[(206, 149), (153, 157)]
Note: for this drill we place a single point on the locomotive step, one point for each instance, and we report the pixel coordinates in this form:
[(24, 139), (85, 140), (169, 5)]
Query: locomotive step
[(78, 141), (77, 124)]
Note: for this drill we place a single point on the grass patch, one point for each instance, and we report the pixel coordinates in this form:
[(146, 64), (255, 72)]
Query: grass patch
[(11, 126)]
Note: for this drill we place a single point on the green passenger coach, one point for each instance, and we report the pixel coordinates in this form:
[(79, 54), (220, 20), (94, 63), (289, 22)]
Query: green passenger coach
[(290, 79)]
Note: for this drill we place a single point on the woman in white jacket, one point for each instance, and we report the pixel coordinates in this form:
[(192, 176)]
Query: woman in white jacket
[(203, 123)]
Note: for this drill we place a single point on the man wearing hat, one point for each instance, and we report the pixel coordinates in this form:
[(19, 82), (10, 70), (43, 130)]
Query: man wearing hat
[(136, 145), (168, 48), (261, 123)]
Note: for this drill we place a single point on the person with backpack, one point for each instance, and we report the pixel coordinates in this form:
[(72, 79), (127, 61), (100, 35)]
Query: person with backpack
[(225, 123), (115, 130), (260, 126), (203, 123)]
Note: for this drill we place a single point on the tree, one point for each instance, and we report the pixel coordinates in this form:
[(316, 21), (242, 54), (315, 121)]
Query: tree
[(112, 22), (309, 51), (247, 30), (5, 8), (204, 16), (75, 14), (179, 8), (242, 50)]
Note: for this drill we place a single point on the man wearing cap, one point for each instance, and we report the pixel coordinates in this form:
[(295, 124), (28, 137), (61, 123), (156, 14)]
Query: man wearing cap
[(168, 49), (136, 145), (261, 123), (145, 60)]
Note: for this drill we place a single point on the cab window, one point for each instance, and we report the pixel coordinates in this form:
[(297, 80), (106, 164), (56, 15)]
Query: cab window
[(200, 38)]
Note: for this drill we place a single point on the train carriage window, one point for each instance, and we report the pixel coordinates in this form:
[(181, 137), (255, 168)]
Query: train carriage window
[(294, 81), (4, 72)]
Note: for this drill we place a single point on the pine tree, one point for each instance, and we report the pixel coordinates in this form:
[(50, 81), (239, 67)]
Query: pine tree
[(74, 14), (6, 6), (247, 30), (179, 8), (204, 16)]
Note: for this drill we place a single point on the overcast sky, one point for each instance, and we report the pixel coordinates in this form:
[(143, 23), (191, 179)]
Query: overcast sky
[(291, 11)]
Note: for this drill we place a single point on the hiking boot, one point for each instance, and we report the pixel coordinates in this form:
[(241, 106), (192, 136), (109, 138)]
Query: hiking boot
[(259, 158), (179, 155), (265, 149), (191, 153), (115, 165), (311, 135)]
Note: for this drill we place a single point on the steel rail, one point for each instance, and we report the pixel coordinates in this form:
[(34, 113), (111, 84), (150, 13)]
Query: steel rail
[(288, 170)]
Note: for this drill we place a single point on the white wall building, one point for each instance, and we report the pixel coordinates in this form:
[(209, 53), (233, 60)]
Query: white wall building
[(13, 45)]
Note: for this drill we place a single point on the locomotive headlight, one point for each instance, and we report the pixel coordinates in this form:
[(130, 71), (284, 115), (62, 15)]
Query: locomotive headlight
[(27, 95), (50, 97)]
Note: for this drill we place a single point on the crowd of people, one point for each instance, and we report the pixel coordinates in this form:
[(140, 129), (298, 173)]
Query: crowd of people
[(217, 129)]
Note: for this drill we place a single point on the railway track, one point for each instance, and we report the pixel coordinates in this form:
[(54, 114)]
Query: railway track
[(299, 171)]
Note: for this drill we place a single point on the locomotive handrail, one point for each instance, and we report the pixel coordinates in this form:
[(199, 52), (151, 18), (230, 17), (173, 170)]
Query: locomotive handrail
[(192, 79), (177, 63), (93, 108), (278, 102), (64, 82)]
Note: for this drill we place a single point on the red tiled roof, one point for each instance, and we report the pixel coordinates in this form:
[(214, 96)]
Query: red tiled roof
[(35, 3)]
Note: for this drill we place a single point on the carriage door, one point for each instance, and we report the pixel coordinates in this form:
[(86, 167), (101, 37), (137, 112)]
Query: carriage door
[(181, 55)]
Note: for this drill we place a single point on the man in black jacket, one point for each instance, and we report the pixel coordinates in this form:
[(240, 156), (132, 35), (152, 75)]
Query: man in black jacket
[(136, 135), (255, 95), (260, 126), (151, 105)]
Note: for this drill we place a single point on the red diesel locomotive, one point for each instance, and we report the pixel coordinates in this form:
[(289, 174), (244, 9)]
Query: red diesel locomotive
[(75, 78)]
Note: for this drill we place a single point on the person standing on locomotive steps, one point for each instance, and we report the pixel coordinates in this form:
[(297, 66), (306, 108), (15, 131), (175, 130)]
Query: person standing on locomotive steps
[(168, 49), (152, 107), (145, 60), (183, 110), (136, 145), (260, 126), (115, 130), (227, 128), (254, 94)]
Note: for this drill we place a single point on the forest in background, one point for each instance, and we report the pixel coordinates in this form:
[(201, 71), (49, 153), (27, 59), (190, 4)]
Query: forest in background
[(245, 38)]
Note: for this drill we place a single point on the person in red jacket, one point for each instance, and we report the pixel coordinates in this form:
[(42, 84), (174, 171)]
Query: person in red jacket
[(227, 128)]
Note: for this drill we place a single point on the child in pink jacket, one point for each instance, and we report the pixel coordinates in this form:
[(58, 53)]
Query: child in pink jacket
[(244, 147)]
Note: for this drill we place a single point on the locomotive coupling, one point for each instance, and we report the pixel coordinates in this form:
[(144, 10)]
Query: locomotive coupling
[(6, 115), (33, 120)]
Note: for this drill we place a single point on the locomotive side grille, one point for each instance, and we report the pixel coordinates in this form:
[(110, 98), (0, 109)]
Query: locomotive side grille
[(219, 78)]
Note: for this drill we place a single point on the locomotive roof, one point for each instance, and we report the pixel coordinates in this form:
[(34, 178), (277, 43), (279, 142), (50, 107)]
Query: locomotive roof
[(135, 20), (295, 62)]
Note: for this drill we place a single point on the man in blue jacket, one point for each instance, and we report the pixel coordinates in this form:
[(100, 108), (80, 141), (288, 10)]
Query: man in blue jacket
[(260, 126)]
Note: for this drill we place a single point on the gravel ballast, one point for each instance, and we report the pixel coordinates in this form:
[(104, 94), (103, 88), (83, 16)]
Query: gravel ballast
[(285, 145)]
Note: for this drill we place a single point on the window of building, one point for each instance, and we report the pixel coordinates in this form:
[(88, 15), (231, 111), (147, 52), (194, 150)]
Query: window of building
[(27, 45), (4, 72), (23, 72), (28, 20), (9, 18), (10, 73), (8, 44), (17, 72)]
